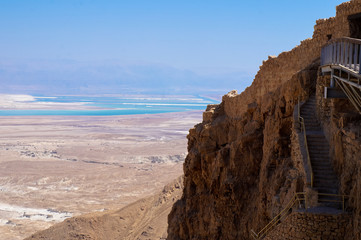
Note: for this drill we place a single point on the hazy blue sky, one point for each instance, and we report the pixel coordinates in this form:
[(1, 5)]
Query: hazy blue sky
[(203, 36)]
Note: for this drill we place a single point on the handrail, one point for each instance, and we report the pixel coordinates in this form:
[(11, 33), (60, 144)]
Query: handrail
[(280, 216), (345, 39), (298, 197), (302, 121), (334, 195), (345, 52)]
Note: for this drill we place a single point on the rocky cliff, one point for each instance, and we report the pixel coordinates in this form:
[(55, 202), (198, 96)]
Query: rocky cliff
[(242, 165)]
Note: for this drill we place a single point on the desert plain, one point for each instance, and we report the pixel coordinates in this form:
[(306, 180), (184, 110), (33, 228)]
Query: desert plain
[(56, 167)]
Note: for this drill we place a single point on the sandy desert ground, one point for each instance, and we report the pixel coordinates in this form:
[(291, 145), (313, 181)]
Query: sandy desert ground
[(145, 219), (53, 168)]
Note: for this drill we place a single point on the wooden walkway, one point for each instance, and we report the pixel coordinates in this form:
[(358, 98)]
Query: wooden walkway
[(342, 58)]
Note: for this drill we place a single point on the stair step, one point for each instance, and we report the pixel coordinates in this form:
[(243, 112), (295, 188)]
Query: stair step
[(326, 190), (308, 112), (316, 126), (330, 180), (308, 106), (318, 145), (319, 177), (325, 182), (321, 162), (318, 148), (320, 159), (322, 165), (313, 124), (308, 117), (314, 147), (323, 171), (330, 198), (318, 154), (311, 110), (315, 139), (313, 128)]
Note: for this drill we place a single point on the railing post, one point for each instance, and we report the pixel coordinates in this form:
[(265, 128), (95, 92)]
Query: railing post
[(344, 51), (350, 56), (355, 56), (338, 52), (346, 54), (359, 60), (341, 53)]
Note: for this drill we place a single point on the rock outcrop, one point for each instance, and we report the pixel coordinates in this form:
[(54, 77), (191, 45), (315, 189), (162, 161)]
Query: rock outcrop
[(243, 166)]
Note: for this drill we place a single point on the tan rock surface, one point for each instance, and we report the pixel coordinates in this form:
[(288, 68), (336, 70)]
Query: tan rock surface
[(239, 171)]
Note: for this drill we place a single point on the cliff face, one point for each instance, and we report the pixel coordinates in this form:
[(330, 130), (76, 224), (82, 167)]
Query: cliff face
[(237, 167), (241, 169)]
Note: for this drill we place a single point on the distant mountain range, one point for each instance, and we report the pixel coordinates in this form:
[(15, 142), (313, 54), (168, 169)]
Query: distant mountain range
[(71, 77)]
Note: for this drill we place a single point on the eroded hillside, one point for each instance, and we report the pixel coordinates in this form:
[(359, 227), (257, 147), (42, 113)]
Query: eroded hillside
[(143, 219)]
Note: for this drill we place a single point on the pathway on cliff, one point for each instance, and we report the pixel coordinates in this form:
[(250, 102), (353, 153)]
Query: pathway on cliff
[(325, 179)]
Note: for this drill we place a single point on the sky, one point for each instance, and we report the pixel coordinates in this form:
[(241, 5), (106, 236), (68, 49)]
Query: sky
[(208, 38)]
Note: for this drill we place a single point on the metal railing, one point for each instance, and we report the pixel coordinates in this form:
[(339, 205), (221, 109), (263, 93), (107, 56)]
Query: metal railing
[(345, 52), (298, 198), (302, 122), (343, 198), (284, 213)]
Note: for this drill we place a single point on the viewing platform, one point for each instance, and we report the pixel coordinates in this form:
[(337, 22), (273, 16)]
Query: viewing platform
[(341, 58)]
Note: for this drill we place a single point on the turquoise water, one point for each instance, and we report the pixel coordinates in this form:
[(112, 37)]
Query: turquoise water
[(107, 106)]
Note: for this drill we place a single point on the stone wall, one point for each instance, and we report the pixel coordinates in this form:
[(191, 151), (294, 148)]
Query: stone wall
[(277, 70), (303, 226)]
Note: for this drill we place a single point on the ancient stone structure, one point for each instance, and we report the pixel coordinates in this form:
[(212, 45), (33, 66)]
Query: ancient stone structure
[(302, 226), (244, 160)]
